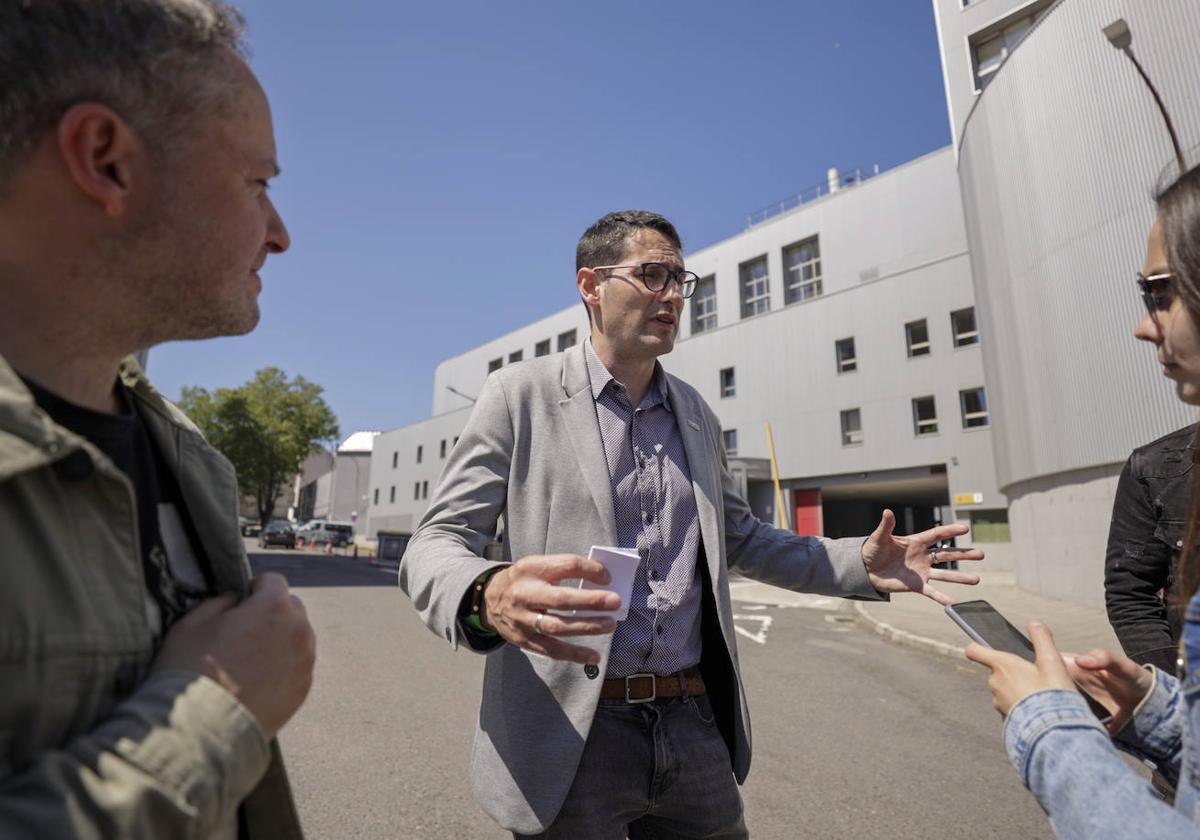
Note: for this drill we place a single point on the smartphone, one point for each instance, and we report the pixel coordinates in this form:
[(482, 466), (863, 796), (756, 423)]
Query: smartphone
[(983, 623)]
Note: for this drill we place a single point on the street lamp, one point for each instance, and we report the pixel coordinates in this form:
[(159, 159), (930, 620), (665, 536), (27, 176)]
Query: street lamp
[(459, 393), (1120, 37)]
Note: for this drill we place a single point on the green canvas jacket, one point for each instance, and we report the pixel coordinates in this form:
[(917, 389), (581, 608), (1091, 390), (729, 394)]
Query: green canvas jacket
[(91, 743)]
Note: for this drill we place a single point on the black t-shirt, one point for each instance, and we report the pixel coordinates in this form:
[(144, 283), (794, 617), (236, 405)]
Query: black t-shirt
[(175, 580)]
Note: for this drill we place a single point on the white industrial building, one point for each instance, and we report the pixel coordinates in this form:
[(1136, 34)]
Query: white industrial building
[(952, 337)]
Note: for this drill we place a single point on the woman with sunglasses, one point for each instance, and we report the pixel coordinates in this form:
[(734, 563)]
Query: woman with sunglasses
[(1065, 756)]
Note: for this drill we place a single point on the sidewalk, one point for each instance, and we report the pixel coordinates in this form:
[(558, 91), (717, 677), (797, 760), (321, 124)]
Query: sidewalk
[(919, 622)]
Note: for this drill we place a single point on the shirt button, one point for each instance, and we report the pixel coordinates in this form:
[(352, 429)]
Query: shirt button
[(653, 575), (658, 630), (646, 517)]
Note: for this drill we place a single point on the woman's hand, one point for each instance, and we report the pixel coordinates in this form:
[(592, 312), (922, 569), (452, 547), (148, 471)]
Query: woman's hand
[(1013, 678), (1117, 682)]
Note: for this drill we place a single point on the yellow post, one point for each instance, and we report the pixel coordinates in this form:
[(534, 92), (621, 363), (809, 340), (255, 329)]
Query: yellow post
[(781, 519)]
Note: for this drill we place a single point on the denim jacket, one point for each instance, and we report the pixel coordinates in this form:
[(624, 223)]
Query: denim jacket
[(1144, 539), (1066, 759)]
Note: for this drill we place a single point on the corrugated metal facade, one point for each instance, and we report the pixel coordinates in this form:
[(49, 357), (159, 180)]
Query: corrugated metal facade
[(1057, 164)]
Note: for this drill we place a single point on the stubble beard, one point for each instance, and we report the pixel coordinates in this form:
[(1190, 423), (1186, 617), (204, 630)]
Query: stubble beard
[(177, 289)]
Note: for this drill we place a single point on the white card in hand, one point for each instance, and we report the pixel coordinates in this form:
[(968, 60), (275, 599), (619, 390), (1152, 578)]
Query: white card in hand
[(622, 564)]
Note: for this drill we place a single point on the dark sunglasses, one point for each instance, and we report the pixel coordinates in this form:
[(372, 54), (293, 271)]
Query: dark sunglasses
[(1158, 291)]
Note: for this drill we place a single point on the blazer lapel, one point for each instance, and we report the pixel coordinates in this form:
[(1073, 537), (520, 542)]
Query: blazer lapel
[(704, 469), (579, 416)]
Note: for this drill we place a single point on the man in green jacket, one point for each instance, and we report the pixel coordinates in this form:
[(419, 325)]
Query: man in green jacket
[(143, 675)]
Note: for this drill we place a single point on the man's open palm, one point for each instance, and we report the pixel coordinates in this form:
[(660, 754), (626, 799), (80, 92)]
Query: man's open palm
[(905, 564)]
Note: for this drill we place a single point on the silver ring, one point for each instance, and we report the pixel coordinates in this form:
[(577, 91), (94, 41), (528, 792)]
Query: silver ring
[(933, 550), (537, 622)]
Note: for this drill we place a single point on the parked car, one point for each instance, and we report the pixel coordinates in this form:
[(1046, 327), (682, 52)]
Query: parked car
[(250, 526), (277, 532), (325, 532)]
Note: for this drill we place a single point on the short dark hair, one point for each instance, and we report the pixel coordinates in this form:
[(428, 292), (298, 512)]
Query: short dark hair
[(151, 61), (605, 241)]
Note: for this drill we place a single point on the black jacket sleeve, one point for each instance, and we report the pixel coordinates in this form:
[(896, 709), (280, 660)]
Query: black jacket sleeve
[(1137, 569)]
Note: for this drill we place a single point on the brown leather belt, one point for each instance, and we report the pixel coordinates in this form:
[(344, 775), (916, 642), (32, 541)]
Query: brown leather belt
[(642, 688)]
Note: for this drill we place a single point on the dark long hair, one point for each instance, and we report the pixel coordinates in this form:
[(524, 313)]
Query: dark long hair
[(1179, 215)]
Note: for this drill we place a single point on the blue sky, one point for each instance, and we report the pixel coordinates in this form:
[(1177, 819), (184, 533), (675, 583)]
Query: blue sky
[(441, 160)]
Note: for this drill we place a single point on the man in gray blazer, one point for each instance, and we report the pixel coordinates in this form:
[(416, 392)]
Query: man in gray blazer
[(640, 728)]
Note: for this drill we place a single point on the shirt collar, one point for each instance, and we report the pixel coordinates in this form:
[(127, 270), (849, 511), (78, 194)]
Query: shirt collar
[(601, 379)]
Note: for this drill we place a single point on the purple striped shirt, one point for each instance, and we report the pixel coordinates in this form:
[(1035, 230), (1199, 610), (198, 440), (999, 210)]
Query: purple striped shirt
[(655, 511)]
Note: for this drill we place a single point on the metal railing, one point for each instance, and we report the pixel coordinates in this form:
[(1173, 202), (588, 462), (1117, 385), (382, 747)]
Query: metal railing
[(845, 180)]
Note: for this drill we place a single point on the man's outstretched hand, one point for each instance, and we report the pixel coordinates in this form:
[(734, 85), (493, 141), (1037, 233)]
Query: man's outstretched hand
[(905, 564)]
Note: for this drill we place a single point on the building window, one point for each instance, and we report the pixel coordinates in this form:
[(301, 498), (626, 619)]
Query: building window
[(516, 356), (542, 348), (729, 437), (376, 495), (802, 271), (989, 52), (924, 416), (990, 526), (917, 335), (392, 495), (417, 490), (963, 327), (495, 364), (424, 489), (566, 340), (974, 408), (395, 459), (852, 427), (846, 359), (756, 287), (420, 452), (704, 305), (728, 383), (442, 451)]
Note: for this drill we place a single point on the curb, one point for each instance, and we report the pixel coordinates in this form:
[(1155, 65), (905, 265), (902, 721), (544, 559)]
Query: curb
[(903, 637)]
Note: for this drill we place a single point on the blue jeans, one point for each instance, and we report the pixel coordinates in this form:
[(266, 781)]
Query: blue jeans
[(652, 771)]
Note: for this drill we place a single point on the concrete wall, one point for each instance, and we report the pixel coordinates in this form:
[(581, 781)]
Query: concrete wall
[(957, 23), (915, 265), (1057, 163), (394, 470)]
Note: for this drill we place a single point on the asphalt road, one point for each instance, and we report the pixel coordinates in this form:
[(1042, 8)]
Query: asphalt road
[(853, 736)]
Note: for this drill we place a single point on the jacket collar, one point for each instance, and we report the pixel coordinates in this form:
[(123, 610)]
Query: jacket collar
[(29, 439)]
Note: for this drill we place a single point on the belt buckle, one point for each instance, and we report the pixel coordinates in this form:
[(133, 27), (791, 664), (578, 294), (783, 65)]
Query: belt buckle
[(653, 688)]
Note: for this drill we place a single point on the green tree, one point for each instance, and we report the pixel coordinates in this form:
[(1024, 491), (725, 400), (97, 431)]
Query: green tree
[(266, 428)]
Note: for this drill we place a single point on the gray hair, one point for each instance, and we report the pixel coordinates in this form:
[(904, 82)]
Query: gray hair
[(151, 61)]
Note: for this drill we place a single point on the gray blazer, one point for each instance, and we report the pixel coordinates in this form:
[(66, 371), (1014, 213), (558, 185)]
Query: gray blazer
[(532, 453)]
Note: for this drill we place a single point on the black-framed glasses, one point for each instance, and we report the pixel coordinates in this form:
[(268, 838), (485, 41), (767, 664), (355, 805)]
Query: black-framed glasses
[(655, 276), (1158, 292)]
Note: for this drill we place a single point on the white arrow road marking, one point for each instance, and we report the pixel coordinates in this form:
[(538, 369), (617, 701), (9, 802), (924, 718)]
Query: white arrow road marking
[(764, 622)]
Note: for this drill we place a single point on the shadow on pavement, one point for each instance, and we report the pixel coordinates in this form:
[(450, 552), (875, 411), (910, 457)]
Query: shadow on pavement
[(302, 569)]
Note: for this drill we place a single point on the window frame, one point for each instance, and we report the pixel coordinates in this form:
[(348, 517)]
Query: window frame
[(701, 318), (755, 301), (967, 417), (920, 348), (728, 388), (928, 426), (801, 290), (849, 365), (969, 338), (848, 434), (728, 435)]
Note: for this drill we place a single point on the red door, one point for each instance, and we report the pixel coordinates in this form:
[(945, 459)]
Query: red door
[(808, 513)]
